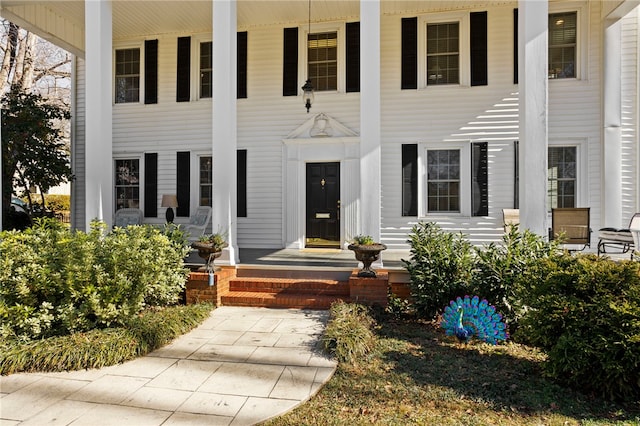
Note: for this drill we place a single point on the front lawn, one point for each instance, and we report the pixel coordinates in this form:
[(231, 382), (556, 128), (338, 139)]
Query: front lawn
[(417, 375)]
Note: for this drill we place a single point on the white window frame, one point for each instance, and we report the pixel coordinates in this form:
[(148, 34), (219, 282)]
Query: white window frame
[(123, 46), (129, 156), (464, 48), (303, 55), (465, 178), (582, 19), (582, 176)]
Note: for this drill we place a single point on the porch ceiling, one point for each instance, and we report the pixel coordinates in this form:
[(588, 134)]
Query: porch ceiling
[(140, 17)]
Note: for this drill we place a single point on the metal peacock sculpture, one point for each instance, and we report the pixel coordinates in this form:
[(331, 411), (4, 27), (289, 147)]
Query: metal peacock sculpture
[(469, 316)]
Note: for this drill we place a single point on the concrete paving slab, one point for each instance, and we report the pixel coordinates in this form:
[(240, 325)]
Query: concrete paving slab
[(180, 348), (109, 389), (244, 379), (236, 368), (37, 396), (185, 375), (212, 403), (191, 419), (118, 415)]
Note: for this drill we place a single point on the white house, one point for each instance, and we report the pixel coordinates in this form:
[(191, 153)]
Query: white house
[(423, 110)]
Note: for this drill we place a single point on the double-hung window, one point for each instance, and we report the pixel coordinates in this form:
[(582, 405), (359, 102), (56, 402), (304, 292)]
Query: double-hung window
[(205, 171), (127, 84), (206, 67), (127, 188), (322, 60), (563, 38), (443, 53), (443, 180), (562, 176)]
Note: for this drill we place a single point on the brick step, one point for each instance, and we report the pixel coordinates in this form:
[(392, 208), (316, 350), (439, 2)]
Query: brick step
[(290, 286), (279, 300)]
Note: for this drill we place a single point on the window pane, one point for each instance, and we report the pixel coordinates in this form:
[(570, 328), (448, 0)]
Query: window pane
[(322, 54), (127, 190), (127, 80), (443, 53), (443, 180), (563, 31), (562, 176), (206, 181)]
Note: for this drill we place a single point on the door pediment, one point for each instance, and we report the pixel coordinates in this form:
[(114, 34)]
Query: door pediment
[(319, 126)]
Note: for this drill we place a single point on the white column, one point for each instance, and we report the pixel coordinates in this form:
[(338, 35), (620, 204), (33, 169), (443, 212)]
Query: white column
[(533, 19), (98, 143), (612, 136), (224, 134), (370, 200)]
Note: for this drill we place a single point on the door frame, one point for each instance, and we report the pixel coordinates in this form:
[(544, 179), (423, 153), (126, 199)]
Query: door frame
[(297, 152)]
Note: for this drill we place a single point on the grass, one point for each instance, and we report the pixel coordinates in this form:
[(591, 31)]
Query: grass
[(100, 348), (417, 375)]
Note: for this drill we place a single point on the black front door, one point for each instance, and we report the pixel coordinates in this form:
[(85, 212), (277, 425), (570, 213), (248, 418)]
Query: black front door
[(323, 205)]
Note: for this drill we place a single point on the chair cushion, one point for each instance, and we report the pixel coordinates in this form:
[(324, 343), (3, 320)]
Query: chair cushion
[(623, 236)]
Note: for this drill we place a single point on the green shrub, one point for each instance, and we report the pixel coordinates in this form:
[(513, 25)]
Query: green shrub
[(349, 334), (440, 267), (502, 271), (99, 348), (54, 281), (586, 315)]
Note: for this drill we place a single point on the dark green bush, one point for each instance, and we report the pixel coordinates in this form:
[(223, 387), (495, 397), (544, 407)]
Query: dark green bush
[(440, 267), (502, 271), (144, 333), (349, 334), (585, 312), (54, 281)]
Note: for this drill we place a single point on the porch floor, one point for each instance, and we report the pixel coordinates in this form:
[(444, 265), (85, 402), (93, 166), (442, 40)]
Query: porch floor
[(314, 258)]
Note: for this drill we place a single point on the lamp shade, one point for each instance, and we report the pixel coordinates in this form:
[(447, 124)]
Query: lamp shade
[(169, 200)]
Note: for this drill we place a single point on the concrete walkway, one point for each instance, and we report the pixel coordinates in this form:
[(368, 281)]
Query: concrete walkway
[(240, 367)]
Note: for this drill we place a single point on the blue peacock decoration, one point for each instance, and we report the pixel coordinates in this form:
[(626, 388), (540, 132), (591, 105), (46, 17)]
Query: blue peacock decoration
[(471, 317)]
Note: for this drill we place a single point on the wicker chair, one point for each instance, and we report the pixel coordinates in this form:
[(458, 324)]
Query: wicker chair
[(128, 216)]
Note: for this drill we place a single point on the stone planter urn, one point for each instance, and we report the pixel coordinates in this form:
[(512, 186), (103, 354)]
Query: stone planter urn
[(209, 252), (367, 254)]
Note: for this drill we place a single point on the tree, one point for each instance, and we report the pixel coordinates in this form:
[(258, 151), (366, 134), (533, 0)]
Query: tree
[(34, 151)]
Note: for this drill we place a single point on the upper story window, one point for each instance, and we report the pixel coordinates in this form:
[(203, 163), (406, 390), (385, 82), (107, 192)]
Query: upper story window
[(127, 183), (206, 67), (322, 55), (443, 53), (127, 75), (206, 181), (562, 176), (563, 40)]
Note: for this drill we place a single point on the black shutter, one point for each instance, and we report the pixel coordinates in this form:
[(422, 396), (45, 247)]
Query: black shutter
[(183, 87), (242, 183), (515, 46), (151, 72), (479, 179), (353, 56), (151, 185), (290, 63), (242, 65), (183, 187), (478, 43), (409, 53), (409, 180)]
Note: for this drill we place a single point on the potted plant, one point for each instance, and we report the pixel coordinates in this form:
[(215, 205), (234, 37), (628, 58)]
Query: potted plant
[(367, 251), (210, 248)]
